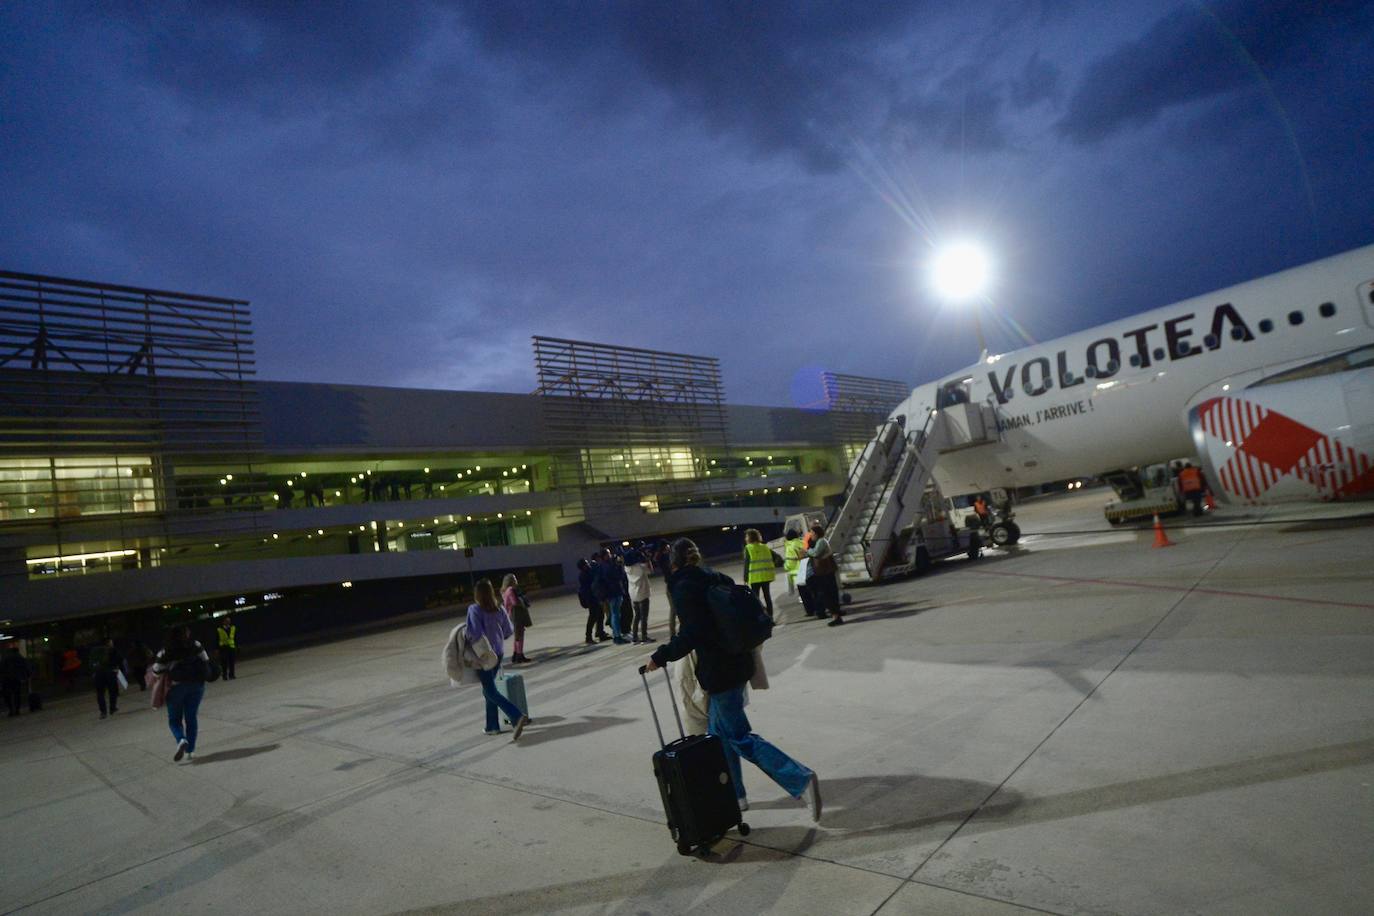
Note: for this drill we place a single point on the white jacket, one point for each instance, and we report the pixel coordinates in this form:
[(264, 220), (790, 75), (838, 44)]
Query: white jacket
[(461, 661), (638, 574)]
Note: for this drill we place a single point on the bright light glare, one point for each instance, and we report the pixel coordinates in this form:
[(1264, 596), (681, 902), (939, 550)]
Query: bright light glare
[(960, 271)]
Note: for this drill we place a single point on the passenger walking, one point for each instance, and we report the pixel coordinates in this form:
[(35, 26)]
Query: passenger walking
[(187, 665), (586, 596), (14, 674), (70, 666), (637, 569), (606, 587), (228, 635), (519, 610), (822, 581), (137, 661), (663, 563), (758, 567), (486, 618), (724, 676), (625, 609), (792, 552), (105, 661), (595, 607)]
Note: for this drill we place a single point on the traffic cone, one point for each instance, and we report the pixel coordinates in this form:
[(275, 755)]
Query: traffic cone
[(1161, 539), (1208, 501)]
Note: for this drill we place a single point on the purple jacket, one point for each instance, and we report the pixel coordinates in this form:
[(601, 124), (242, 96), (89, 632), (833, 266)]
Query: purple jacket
[(494, 625)]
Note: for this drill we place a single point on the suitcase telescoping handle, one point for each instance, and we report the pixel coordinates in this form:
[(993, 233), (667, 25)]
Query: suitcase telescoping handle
[(671, 699)]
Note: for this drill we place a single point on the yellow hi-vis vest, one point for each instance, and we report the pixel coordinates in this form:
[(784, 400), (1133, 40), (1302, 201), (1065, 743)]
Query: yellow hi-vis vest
[(793, 552), (758, 563), (227, 637)]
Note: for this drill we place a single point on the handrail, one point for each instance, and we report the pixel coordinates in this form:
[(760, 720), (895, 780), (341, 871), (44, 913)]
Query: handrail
[(921, 438), (849, 483)]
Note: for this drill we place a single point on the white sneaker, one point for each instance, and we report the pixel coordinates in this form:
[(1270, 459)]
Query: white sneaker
[(190, 756), (812, 796), (492, 731), (181, 751), (744, 804)]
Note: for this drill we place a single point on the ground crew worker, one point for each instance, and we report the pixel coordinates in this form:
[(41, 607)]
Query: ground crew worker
[(792, 552), (1191, 483), (228, 646), (980, 506), (758, 567)]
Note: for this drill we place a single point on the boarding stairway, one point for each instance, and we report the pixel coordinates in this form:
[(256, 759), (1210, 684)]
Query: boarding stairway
[(886, 484)]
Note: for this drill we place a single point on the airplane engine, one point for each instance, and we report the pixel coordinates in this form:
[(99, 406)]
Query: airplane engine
[(1302, 440)]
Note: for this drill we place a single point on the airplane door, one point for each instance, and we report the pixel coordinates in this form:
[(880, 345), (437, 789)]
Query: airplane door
[(1367, 297)]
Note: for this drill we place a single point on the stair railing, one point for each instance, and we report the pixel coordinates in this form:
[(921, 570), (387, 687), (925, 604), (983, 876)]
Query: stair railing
[(918, 442)]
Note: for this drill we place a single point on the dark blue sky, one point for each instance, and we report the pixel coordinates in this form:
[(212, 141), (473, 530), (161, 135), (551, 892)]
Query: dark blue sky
[(407, 198)]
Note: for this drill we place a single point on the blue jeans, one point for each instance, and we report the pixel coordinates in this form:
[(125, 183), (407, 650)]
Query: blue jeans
[(727, 721), (183, 702), (495, 700), (613, 605)]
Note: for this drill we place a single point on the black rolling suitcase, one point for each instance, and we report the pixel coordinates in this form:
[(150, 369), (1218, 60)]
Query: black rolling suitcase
[(694, 781)]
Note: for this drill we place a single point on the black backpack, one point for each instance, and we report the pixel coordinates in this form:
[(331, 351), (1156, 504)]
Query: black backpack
[(739, 617), (192, 669)]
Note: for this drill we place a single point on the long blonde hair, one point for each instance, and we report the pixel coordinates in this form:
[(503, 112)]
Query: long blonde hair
[(485, 595), (508, 582)]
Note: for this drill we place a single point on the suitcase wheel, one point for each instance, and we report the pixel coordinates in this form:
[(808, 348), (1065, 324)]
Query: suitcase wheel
[(743, 829)]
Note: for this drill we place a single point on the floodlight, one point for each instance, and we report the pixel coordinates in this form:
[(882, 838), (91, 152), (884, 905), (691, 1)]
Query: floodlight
[(960, 271)]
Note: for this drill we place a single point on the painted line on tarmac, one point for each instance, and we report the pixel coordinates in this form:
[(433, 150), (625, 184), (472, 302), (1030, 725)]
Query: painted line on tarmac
[(1225, 593), (1187, 590)]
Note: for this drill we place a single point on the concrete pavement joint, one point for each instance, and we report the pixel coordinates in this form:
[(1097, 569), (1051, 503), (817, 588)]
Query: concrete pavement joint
[(140, 808), (210, 839), (964, 893), (1187, 590), (404, 766), (1077, 706)]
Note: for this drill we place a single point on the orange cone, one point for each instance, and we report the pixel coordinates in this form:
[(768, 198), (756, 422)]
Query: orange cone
[(1161, 539), (1208, 501)]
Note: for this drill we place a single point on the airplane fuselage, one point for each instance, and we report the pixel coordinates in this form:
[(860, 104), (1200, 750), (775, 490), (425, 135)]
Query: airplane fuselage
[(1118, 395)]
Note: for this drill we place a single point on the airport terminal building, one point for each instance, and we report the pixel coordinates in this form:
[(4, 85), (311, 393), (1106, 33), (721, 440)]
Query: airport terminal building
[(146, 475)]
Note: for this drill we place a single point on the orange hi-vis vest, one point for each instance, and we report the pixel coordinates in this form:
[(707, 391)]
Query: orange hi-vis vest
[(1190, 479)]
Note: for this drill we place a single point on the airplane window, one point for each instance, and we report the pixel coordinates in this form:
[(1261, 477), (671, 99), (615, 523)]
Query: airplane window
[(1159, 354), (1091, 371), (1112, 366), (1327, 309), (1135, 359), (1211, 340), (1239, 333), (1265, 326), (1295, 318)]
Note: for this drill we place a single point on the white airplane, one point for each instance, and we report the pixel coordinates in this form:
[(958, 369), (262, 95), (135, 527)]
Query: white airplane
[(1269, 383)]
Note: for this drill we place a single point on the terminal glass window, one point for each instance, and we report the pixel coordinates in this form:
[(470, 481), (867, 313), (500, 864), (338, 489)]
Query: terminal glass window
[(32, 488)]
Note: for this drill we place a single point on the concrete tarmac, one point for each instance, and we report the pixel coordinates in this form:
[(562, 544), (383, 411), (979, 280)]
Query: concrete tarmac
[(1083, 725)]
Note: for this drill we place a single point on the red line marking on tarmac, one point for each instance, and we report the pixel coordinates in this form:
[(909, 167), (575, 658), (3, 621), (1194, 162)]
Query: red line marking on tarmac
[(1074, 580)]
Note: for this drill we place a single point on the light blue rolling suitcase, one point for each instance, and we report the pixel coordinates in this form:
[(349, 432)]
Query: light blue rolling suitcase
[(512, 687)]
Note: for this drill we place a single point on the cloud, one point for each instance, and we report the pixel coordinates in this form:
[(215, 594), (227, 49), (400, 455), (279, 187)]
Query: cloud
[(788, 78), (962, 114), (244, 51), (1038, 81), (1199, 52)]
